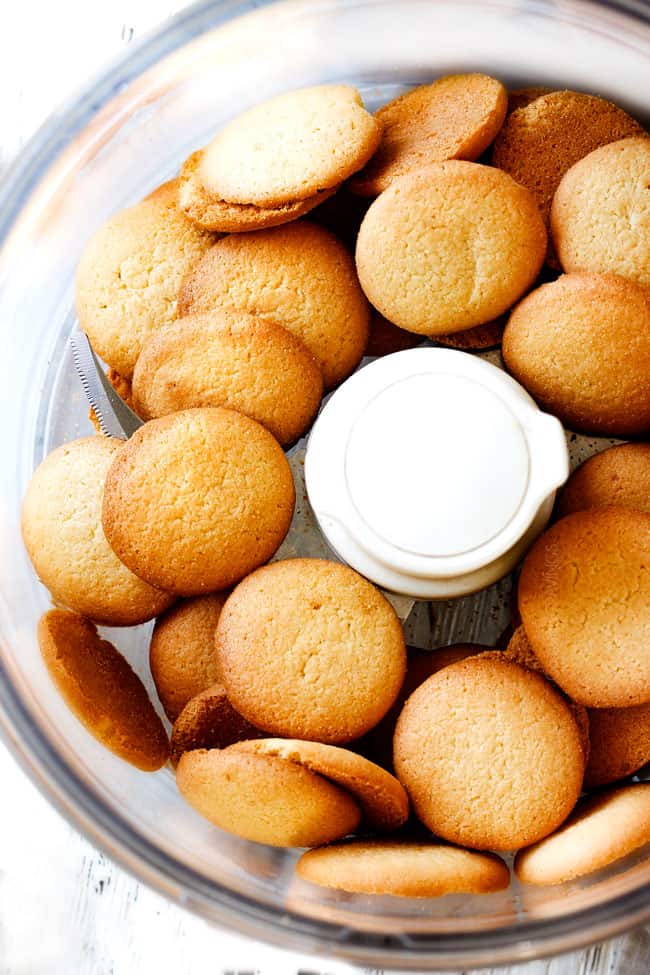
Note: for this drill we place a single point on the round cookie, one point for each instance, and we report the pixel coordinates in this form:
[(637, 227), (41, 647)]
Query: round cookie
[(620, 743), (265, 799), (208, 720), (62, 531), (300, 277), (432, 275), (383, 802), (233, 360), (101, 690), (602, 829), (129, 274), (581, 347), (540, 141), (456, 117), (474, 773), (479, 338), (290, 147), (584, 597), (209, 496), (618, 476), (403, 869), (309, 649), (181, 653), (600, 219), (211, 213)]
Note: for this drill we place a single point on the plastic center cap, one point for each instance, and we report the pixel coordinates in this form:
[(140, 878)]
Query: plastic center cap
[(436, 465)]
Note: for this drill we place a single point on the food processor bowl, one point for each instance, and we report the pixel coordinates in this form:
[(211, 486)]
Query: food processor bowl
[(123, 134)]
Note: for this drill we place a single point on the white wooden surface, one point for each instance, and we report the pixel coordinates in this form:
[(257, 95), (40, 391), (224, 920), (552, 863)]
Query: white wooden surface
[(64, 908)]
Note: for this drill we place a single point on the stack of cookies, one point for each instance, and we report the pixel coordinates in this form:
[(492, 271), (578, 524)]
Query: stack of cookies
[(297, 717)]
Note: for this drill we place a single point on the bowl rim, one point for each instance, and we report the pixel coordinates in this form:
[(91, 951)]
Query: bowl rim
[(113, 835)]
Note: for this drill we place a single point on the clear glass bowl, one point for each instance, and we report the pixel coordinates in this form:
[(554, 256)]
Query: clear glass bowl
[(126, 133)]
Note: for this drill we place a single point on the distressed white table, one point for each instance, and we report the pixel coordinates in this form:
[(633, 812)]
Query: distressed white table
[(64, 908)]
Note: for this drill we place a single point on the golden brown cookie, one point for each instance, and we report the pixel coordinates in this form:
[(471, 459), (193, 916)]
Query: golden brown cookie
[(62, 531), (544, 138), (456, 117), (208, 720), (212, 213), (620, 743), (584, 597), (182, 658), (383, 802), (435, 274), (101, 690), (479, 338), (602, 829), (473, 771), (309, 649), (265, 799), (298, 276), (290, 147), (129, 274), (600, 219), (581, 347), (209, 496), (386, 338), (377, 744), (403, 869), (619, 477), (230, 359)]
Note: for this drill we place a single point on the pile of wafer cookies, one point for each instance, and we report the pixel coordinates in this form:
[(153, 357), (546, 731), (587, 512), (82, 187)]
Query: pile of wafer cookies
[(298, 717)]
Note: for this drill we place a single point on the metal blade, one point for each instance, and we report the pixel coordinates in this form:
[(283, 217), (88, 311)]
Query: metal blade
[(115, 418)]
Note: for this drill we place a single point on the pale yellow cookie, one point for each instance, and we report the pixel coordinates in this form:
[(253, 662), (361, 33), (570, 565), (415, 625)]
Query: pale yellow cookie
[(230, 359), (600, 218), (265, 799), (209, 496), (474, 772), (300, 277), (383, 802), (602, 829), (211, 213), (309, 649), (449, 247), (456, 117), (101, 690), (290, 147), (403, 868), (581, 347), (584, 597), (63, 535), (129, 274), (182, 657)]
